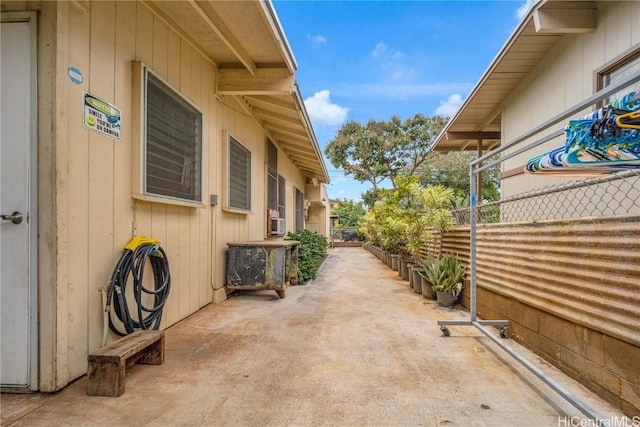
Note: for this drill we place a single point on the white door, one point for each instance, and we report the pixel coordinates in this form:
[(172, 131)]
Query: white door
[(17, 290)]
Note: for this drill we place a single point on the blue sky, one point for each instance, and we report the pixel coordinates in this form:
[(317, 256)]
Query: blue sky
[(361, 60)]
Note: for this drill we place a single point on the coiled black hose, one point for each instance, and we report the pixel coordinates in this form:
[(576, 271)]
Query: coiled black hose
[(132, 262)]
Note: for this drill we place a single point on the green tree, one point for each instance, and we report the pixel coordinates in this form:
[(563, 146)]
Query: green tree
[(370, 197), (349, 212), (451, 169), (419, 131), (383, 150), (368, 152)]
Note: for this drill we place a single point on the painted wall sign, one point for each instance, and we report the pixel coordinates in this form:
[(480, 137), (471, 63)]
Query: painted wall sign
[(75, 75), (101, 117)]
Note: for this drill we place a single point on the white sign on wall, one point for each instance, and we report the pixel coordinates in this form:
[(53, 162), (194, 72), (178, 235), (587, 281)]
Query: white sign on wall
[(101, 117)]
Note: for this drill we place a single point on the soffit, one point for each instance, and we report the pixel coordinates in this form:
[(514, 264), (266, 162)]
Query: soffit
[(479, 118), (256, 66), (281, 115), (231, 33)]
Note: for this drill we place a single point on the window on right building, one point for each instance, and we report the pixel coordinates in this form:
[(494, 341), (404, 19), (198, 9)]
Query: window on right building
[(619, 69)]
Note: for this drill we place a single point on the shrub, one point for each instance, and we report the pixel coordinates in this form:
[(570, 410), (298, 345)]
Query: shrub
[(311, 251), (404, 220)]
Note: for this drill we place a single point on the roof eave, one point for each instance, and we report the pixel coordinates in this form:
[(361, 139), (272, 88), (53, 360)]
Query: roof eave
[(548, 21), (273, 21), (304, 116), (442, 136)]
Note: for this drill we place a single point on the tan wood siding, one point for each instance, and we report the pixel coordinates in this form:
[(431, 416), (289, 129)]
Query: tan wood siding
[(78, 200), (93, 214)]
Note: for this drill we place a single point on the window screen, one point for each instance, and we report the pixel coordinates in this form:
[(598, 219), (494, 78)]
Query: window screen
[(281, 196), (173, 145), (272, 176), (299, 210), (239, 178)]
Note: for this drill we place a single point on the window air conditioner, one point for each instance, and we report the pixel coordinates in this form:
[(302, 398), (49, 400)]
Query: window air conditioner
[(277, 226)]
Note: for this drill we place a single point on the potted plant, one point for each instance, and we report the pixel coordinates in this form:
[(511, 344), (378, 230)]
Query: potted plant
[(448, 289), (431, 275), (403, 220)]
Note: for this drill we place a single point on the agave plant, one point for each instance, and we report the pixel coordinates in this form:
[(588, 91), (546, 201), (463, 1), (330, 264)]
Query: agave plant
[(433, 273), (445, 274), (453, 273)]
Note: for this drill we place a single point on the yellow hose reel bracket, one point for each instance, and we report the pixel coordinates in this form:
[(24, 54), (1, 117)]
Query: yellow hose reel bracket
[(140, 240)]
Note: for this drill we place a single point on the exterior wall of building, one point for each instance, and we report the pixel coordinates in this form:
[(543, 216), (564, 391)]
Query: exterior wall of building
[(234, 227), (86, 210), (563, 78), (318, 216)]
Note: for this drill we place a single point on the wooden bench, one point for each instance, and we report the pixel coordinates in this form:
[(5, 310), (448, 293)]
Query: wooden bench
[(107, 365)]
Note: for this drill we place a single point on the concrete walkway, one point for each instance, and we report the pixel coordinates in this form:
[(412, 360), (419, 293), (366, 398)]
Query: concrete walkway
[(355, 347)]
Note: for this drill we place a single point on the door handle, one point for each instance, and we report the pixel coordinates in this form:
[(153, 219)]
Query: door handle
[(15, 217)]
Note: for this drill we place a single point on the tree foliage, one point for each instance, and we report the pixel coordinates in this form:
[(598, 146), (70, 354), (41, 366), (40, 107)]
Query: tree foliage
[(369, 197), (349, 212), (404, 219), (420, 131), (451, 169), (383, 150)]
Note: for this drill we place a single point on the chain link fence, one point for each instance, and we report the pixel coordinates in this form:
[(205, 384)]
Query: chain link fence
[(345, 234), (609, 195)]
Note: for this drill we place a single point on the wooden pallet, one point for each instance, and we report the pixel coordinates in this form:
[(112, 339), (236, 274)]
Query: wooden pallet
[(107, 365)]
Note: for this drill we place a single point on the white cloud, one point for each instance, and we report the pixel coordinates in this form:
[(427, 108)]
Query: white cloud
[(524, 9), (449, 107), (323, 112), (317, 39), (379, 49)]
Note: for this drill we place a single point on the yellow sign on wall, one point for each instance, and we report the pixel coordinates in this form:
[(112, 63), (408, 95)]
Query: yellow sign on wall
[(101, 117)]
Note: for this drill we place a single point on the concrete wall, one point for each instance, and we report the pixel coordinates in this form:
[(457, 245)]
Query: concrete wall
[(607, 365), (86, 209)]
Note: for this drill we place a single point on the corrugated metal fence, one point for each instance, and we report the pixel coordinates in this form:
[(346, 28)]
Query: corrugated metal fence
[(586, 271)]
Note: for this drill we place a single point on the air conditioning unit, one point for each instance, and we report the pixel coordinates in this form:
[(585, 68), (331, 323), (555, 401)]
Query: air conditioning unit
[(277, 226)]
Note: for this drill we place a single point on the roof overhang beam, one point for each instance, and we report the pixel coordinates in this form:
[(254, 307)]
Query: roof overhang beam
[(569, 20), (464, 136), (265, 81)]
